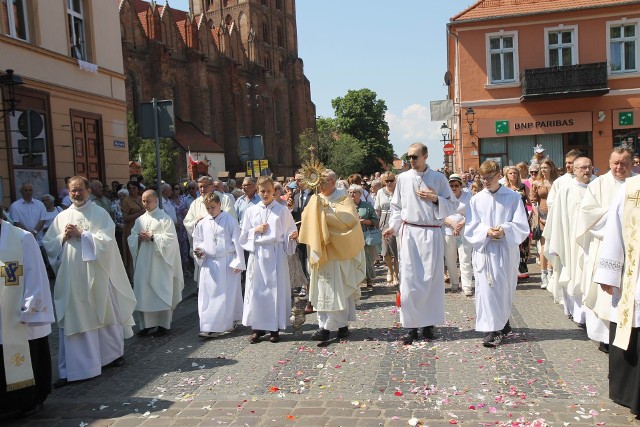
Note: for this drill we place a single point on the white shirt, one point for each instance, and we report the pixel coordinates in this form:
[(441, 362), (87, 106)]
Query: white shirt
[(26, 213)]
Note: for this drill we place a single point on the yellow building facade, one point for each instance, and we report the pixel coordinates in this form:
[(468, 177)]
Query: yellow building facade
[(70, 111)]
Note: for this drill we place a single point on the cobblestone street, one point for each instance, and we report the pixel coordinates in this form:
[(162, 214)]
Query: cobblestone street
[(546, 372)]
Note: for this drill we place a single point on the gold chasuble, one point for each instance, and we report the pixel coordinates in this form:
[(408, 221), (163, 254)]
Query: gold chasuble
[(331, 229), (15, 343), (631, 240)]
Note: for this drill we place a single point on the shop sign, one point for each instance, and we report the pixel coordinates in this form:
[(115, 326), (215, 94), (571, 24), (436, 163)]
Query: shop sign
[(625, 118), (535, 125)]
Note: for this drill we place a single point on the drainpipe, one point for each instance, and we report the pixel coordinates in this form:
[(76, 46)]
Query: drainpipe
[(457, 120)]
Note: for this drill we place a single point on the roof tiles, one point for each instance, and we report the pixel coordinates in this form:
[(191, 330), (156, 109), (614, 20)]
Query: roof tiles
[(492, 9)]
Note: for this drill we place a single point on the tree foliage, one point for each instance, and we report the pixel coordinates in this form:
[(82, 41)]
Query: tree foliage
[(360, 114), (342, 153), (145, 149)]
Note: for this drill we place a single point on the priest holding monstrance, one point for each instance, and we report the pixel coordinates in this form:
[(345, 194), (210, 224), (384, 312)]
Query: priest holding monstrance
[(331, 229)]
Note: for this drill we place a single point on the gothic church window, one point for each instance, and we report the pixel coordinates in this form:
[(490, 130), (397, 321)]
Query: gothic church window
[(280, 36), (265, 32)]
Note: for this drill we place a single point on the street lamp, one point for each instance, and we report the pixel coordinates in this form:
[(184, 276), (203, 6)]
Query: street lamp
[(444, 130), (9, 82), (470, 114)]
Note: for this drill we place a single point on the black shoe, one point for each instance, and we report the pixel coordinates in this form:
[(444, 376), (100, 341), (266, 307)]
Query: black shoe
[(321, 335), (116, 363), (603, 347), (160, 332), (582, 326), (427, 333), (143, 332), (343, 332), (60, 382), (492, 339), (275, 337), (255, 337), (507, 329), (410, 336), (31, 411)]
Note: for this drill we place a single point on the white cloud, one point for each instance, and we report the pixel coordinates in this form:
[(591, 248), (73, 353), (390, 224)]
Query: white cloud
[(414, 124)]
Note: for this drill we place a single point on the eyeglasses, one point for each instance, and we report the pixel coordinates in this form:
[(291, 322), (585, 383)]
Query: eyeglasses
[(176, 188), (488, 178), (389, 180), (533, 172), (413, 157)]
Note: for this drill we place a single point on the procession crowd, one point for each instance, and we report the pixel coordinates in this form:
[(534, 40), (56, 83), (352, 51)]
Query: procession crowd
[(121, 260)]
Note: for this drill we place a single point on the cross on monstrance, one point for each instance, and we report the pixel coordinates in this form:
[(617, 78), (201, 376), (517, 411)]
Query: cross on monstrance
[(635, 199)]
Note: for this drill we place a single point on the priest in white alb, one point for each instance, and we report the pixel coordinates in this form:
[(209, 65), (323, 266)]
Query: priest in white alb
[(157, 277), (590, 228), (92, 295), (26, 315), (562, 245), (496, 225), (419, 206), (335, 250), (617, 273)]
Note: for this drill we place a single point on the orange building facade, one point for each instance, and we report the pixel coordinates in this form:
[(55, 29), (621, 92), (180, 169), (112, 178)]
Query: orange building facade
[(564, 74)]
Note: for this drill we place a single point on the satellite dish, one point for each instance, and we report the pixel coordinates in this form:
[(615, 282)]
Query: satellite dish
[(447, 78)]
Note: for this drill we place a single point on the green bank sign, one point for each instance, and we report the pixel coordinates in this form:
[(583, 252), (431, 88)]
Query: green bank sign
[(502, 127)]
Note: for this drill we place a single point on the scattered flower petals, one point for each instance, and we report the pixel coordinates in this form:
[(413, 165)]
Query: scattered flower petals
[(398, 393)]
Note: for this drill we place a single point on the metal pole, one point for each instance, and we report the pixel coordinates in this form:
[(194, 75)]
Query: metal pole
[(156, 133)]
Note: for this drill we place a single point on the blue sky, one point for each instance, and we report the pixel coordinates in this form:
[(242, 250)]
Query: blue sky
[(395, 48)]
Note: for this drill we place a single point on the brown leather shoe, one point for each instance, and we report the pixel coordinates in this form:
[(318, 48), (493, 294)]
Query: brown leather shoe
[(255, 337), (275, 337)]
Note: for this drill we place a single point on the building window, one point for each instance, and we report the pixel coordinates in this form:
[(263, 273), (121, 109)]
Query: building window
[(623, 47), (279, 4), (14, 19), (265, 32), (562, 46), (502, 57), (280, 36), (77, 40), (264, 2)]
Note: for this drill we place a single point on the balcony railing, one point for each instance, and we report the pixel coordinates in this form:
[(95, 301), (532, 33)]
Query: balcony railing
[(568, 81)]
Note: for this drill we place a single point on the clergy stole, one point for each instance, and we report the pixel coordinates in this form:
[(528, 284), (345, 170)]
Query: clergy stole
[(631, 238), (15, 343)]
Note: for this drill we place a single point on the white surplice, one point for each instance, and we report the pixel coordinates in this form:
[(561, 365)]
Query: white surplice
[(457, 248), (561, 244), (495, 262), (197, 211), (417, 224), (93, 297), (157, 277), (37, 306), (219, 288), (267, 299), (589, 233), (611, 263)]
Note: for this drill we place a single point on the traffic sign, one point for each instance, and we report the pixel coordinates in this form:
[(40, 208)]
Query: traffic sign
[(448, 149)]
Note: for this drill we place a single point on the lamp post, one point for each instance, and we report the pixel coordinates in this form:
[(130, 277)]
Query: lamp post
[(8, 82), (470, 114), (444, 130)]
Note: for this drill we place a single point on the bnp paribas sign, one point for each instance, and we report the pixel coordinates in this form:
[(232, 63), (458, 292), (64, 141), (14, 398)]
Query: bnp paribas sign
[(502, 127)]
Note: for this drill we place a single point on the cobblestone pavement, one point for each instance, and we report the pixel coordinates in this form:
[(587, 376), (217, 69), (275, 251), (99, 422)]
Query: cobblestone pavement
[(546, 372)]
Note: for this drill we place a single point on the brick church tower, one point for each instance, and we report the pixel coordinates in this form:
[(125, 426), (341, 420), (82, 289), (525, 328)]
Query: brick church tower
[(232, 69)]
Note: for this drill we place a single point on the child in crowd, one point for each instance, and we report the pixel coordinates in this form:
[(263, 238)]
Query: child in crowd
[(269, 233), (221, 258)]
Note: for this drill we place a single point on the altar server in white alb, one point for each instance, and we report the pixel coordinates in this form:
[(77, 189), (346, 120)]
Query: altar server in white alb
[(26, 315), (216, 245), (420, 204), (92, 295), (269, 234), (157, 277), (496, 225)]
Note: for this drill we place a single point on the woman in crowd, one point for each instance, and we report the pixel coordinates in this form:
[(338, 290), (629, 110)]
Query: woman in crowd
[(181, 208), (368, 221), (132, 209), (513, 182), (539, 192), (383, 211)]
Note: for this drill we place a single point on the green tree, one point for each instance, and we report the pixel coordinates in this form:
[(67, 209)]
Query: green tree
[(361, 114), (145, 149), (342, 153)]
